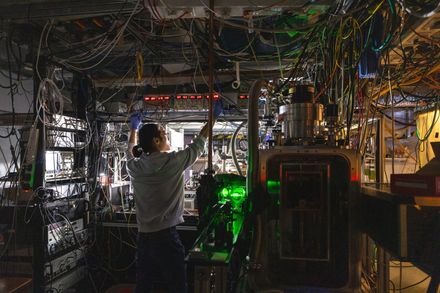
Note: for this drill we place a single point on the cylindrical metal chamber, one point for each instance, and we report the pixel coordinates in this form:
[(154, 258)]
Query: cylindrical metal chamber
[(301, 120)]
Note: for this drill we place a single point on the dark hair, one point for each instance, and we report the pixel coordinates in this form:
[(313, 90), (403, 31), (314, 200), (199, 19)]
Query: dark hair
[(146, 135)]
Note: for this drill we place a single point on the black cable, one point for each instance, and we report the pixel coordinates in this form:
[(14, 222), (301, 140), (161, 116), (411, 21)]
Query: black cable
[(18, 59), (11, 92), (405, 93), (413, 285), (301, 55), (7, 76), (397, 121)]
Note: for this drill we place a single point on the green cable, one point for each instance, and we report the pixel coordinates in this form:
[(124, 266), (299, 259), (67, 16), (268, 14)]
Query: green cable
[(393, 26), (434, 121), (368, 35)]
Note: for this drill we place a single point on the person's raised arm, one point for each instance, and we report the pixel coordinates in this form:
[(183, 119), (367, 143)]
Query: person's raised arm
[(135, 121), (205, 130), (218, 109)]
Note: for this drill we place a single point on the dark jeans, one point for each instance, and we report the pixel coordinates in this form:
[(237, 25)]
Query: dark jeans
[(161, 252)]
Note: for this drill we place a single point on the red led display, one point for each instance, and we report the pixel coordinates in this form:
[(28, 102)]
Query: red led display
[(186, 97), (156, 98)]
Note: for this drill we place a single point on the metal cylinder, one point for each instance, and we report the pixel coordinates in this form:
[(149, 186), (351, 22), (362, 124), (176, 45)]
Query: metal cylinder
[(331, 117), (301, 120)]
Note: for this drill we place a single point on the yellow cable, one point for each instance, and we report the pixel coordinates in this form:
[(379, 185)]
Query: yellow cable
[(410, 81), (139, 66), (351, 31), (373, 13)]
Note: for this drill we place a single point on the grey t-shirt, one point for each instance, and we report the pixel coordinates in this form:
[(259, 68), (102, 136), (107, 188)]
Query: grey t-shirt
[(157, 181)]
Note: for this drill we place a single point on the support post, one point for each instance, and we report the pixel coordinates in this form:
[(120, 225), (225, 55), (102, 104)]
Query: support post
[(383, 272), (380, 150), (38, 227), (211, 82)]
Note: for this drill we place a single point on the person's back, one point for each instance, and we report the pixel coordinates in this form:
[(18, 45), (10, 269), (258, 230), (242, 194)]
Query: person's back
[(157, 180), (158, 185)]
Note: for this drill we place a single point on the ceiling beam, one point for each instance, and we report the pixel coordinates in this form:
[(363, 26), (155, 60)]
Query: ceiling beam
[(172, 9), (172, 116), (67, 9), (254, 3), (180, 79), (422, 32)]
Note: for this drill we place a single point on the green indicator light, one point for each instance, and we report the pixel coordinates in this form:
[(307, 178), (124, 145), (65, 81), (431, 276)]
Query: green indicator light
[(32, 181), (273, 186)]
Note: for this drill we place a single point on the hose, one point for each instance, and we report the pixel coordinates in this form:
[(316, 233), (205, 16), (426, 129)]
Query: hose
[(252, 175), (233, 147)]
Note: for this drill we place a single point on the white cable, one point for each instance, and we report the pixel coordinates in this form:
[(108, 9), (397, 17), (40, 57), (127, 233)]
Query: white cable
[(48, 87), (236, 82), (425, 15), (39, 49), (113, 44)]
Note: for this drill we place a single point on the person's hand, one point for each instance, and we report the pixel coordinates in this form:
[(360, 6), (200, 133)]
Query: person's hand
[(135, 120), (218, 108)]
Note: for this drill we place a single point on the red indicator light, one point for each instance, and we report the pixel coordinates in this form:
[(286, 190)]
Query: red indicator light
[(199, 97), (153, 98), (207, 96), (146, 98), (192, 97), (215, 97), (185, 97), (166, 98), (179, 97)]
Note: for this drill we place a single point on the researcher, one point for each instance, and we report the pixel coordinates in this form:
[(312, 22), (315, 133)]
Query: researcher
[(157, 178)]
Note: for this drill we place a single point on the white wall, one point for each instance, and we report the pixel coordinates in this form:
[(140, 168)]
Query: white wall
[(175, 137), (22, 99), (22, 103)]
